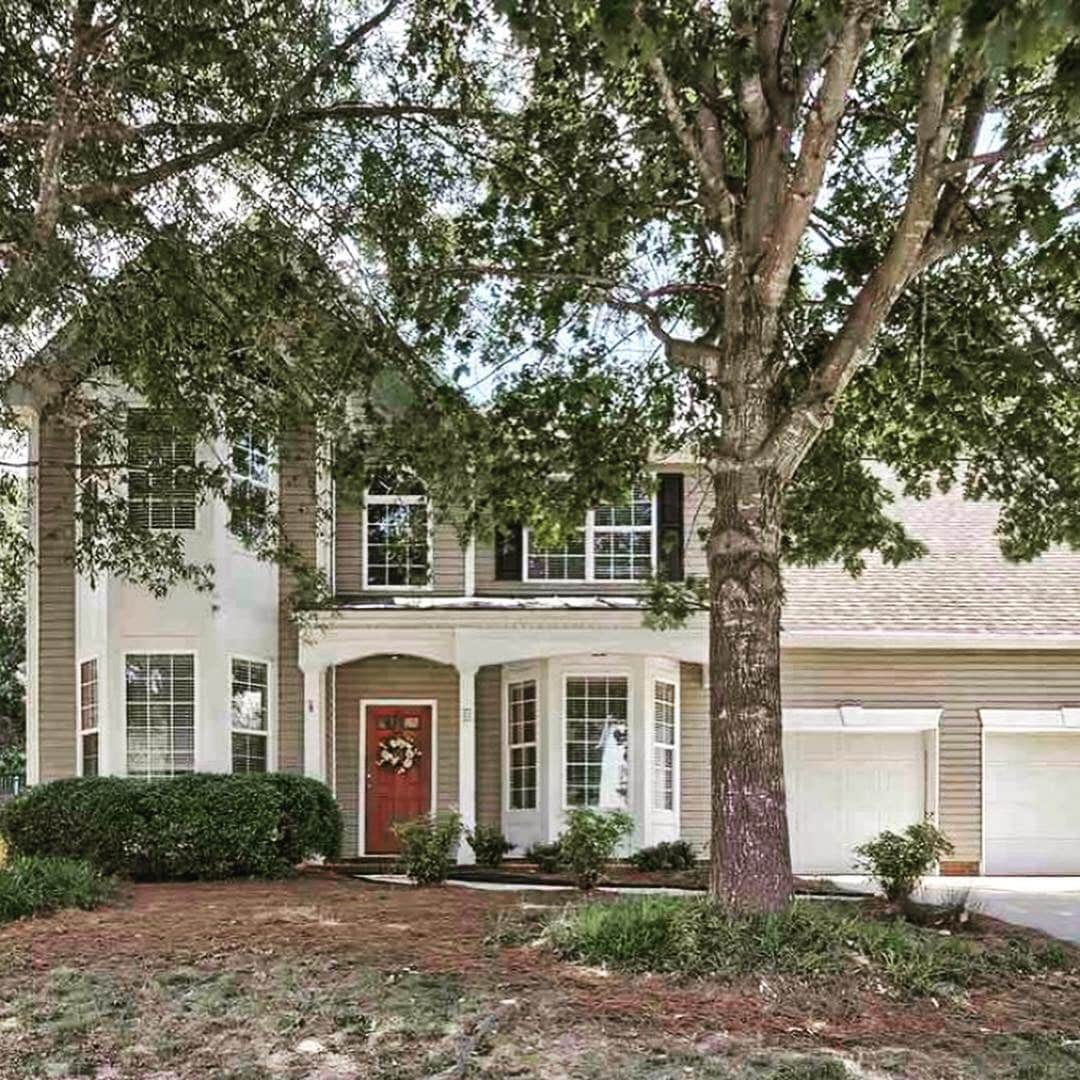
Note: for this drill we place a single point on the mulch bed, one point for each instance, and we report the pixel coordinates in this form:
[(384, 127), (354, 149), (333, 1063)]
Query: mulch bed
[(448, 929)]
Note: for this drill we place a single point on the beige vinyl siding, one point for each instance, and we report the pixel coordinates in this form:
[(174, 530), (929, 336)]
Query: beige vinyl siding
[(489, 745), (447, 554), (960, 682), (55, 495), (296, 477), (404, 678), (695, 517)]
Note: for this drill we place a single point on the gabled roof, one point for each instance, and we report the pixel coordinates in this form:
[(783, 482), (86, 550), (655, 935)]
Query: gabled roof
[(963, 585)]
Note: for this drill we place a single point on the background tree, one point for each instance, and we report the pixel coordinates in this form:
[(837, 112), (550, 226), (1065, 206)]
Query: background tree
[(13, 565), (849, 226)]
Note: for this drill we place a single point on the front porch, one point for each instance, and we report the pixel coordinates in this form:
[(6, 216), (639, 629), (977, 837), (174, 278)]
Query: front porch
[(518, 715)]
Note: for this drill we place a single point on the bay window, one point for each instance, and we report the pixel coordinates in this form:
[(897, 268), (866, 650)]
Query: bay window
[(521, 722), (249, 715), (664, 744), (249, 496), (160, 713), (89, 718), (597, 741), (161, 461)]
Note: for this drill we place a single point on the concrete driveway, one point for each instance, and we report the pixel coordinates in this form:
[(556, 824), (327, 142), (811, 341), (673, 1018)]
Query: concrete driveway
[(1050, 904)]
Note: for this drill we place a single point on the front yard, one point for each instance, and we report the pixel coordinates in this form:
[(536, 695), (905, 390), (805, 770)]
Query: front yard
[(331, 978)]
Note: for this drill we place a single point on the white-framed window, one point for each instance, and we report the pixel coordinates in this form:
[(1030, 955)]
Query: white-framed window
[(616, 543), (665, 713), (250, 495), (249, 708), (89, 719), (161, 460), (597, 732), (397, 534), (160, 713), (521, 724)]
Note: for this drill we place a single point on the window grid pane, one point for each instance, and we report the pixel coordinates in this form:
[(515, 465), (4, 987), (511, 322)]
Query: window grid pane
[(397, 544), (622, 539), (160, 712), (597, 742), (561, 562), (88, 695), (90, 753), (521, 736), (248, 752), (161, 488), (664, 746)]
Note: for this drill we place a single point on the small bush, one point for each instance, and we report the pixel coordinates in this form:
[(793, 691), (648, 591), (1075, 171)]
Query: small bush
[(667, 855), (33, 885), (899, 861), (589, 841), (201, 825), (489, 845), (428, 845), (807, 939), (548, 857)]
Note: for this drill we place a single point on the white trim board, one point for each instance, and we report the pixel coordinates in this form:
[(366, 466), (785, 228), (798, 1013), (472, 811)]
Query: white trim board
[(1064, 719), (858, 718)]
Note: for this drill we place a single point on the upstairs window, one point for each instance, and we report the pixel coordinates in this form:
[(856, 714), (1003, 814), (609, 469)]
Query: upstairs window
[(251, 486), (161, 483), (89, 718), (397, 533), (616, 543), (160, 712), (250, 715)]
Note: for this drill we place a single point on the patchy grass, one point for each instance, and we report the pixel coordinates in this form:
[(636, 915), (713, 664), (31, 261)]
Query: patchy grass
[(39, 884), (808, 939), (328, 978)]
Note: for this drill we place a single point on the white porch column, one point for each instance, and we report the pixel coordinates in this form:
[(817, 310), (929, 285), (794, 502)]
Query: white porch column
[(315, 722), (466, 758)]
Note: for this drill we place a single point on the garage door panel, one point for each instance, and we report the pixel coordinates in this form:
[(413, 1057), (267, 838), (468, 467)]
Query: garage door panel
[(1032, 791), (844, 788)]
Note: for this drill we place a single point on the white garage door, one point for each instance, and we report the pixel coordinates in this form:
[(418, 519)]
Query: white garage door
[(844, 788), (1032, 803)]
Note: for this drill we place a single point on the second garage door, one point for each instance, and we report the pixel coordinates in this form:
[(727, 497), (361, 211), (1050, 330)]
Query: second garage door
[(1032, 802), (844, 788)]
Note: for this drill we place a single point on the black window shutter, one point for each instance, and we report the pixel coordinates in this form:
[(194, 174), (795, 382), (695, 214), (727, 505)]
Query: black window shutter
[(509, 551), (670, 522)]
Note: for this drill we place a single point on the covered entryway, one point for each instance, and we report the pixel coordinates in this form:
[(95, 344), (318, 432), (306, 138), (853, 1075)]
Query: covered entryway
[(850, 774), (397, 768), (1031, 799)]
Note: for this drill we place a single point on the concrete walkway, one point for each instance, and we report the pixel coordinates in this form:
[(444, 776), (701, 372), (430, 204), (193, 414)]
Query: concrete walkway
[(1049, 904)]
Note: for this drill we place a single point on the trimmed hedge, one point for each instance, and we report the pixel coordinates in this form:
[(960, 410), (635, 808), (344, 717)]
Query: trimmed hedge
[(201, 825)]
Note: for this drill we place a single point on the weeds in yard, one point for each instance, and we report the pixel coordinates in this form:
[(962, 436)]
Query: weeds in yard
[(38, 884), (694, 937)]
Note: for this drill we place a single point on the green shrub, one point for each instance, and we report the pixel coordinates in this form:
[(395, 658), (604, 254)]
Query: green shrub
[(667, 855), (899, 861), (548, 857), (33, 885), (428, 845), (807, 939), (589, 841), (202, 825), (489, 845)]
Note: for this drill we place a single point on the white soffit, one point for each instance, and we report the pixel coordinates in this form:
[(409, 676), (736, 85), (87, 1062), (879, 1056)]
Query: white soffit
[(1066, 718), (861, 718)]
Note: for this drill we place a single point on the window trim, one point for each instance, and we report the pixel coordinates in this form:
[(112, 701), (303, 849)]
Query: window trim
[(80, 731), (516, 678), (143, 650), (398, 500), (626, 673), (676, 793), (590, 529), (270, 733)]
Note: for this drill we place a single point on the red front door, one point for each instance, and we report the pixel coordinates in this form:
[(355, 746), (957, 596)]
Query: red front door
[(391, 793)]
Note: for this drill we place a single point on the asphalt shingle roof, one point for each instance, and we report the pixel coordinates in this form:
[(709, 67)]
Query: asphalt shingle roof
[(963, 585)]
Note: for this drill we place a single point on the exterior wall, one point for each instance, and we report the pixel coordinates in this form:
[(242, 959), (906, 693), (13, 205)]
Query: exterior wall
[(298, 510), (696, 502), (447, 555), (396, 678), (961, 682), (51, 690)]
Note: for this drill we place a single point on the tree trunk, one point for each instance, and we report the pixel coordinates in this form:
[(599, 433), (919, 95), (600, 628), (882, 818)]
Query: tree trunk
[(751, 858)]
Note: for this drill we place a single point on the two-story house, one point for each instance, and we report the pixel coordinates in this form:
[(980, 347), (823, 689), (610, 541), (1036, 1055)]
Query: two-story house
[(512, 680)]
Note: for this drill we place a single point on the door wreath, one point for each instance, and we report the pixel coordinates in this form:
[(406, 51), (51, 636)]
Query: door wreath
[(399, 753)]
